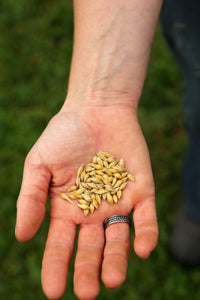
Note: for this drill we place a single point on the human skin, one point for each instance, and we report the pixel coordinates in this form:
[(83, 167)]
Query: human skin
[(112, 45)]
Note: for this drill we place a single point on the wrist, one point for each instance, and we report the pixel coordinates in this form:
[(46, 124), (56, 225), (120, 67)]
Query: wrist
[(99, 104)]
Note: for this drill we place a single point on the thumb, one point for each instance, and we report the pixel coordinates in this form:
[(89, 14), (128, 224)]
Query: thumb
[(31, 203)]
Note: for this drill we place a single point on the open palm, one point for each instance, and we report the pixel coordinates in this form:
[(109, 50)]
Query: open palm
[(71, 138)]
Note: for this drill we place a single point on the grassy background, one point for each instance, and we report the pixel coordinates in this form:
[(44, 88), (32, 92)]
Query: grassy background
[(35, 53)]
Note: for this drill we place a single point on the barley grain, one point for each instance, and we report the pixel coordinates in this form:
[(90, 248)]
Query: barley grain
[(119, 194), (105, 164), (72, 196), (94, 160), (118, 183), (117, 175), (130, 176), (115, 199), (109, 199), (99, 172), (124, 174), (98, 198), (86, 211), (80, 170), (114, 181), (123, 186), (101, 191), (121, 162), (86, 197), (82, 201), (98, 167), (77, 181), (104, 196), (86, 176), (72, 188), (89, 169), (83, 206), (95, 203), (64, 196), (91, 208), (82, 176)]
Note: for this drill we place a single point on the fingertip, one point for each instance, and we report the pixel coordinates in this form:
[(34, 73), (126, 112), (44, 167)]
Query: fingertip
[(22, 235), (52, 292), (113, 280), (84, 288), (145, 243), (54, 277)]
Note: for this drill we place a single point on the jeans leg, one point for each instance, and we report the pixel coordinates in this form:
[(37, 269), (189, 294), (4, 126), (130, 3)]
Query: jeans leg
[(181, 27)]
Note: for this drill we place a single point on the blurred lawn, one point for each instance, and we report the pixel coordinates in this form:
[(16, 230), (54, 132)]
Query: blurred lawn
[(35, 54)]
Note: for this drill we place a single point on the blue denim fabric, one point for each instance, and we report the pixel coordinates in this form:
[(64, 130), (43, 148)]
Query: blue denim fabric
[(181, 27)]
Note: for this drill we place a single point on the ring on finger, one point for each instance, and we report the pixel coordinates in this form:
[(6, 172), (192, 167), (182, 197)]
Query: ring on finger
[(116, 219)]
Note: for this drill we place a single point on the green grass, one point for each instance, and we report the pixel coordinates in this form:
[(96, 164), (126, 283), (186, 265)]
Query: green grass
[(35, 53)]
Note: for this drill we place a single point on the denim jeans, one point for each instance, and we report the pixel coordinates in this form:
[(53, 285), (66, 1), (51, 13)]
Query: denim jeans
[(181, 28)]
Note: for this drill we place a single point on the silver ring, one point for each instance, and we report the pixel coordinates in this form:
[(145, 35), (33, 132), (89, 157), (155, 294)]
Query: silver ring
[(116, 219)]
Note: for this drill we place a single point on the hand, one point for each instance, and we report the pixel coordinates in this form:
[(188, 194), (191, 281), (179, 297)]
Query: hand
[(72, 137)]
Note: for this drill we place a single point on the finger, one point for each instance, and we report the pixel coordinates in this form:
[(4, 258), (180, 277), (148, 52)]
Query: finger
[(88, 261), (31, 203), (116, 255), (146, 227), (57, 256)]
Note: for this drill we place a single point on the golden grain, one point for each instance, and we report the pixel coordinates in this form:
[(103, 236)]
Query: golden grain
[(109, 199), (64, 196), (82, 201), (99, 172), (86, 197), (118, 183), (98, 167), (104, 196), (106, 154), (119, 194), (77, 181), (82, 175), (101, 191), (89, 169), (101, 155), (121, 162), (110, 159), (123, 186), (72, 188), (83, 206), (86, 211), (94, 160), (80, 170), (130, 176), (92, 173), (78, 192), (95, 203), (114, 181), (98, 198), (86, 176), (124, 174), (91, 208), (72, 196), (108, 172), (117, 175), (115, 199), (112, 164), (105, 164)]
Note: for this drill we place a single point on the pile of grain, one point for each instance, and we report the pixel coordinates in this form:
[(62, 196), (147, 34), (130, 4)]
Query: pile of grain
[(102, 179)]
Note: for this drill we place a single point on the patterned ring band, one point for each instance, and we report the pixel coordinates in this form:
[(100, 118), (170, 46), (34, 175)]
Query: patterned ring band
[(116, 219)]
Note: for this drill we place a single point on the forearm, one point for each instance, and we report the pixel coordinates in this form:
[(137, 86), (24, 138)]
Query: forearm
[(112, 43)]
